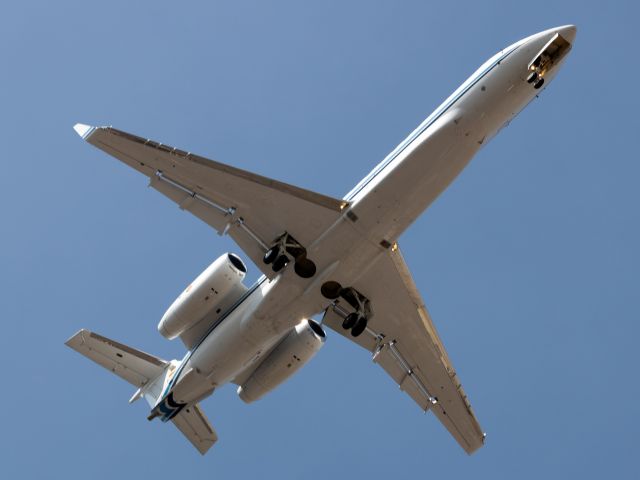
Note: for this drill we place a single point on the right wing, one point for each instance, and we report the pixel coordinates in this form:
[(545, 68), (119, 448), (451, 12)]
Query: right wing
[(405, 343), (193, 424), (252, 209)]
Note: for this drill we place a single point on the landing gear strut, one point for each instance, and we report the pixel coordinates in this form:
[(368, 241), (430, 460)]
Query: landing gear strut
[(277, 256)]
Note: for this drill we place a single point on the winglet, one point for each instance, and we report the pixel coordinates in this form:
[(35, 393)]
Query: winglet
[(83, 130)]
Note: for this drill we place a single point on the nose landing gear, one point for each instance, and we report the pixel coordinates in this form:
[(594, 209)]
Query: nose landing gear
[(277, 256), (550, 55), (538, 68), (536, 78)]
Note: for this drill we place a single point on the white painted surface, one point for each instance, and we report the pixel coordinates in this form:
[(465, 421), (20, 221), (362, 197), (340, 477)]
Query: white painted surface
[(348, 241)]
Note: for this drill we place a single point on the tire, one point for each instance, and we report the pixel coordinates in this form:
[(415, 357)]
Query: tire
[(271, 255), (305, 268), (330, 290), (350, 320), (538, 84), (280, 263), (359, 327), (533, 76)]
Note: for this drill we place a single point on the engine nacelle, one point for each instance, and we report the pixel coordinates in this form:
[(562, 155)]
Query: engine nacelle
[(204, 294), (297, 348)]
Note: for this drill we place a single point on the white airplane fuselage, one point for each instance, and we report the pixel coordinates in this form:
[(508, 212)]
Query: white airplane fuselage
[(380, 208)]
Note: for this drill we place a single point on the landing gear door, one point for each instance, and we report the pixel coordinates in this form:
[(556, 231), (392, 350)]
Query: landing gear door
[(550, 55)]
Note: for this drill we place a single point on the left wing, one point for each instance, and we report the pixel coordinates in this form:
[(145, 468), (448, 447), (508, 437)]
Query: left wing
[(404, 342), (252, 209)]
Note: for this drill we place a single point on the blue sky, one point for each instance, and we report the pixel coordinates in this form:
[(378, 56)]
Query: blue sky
[(528, 262)]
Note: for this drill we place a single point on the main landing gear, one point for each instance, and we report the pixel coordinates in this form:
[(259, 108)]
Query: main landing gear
[(355, 321), (277, 256)]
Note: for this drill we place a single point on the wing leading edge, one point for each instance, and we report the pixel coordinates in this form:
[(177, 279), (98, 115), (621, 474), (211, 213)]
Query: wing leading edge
[(404, 342)]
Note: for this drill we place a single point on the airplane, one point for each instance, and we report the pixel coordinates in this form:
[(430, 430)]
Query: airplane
[(319, 255)]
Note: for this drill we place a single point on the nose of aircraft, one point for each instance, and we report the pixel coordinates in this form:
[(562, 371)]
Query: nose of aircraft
[(568, 32)]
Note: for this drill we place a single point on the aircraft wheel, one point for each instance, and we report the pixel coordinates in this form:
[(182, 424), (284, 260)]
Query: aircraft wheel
[(271, 255), (350, 320), (304, 267), (538, 84), (359, 327), (533, 76), (280, 263), (331, 290)]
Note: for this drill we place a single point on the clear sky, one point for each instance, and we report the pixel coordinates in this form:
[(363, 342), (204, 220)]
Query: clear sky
[(528, 262)]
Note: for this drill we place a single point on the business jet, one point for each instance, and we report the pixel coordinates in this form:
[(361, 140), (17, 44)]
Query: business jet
[(338, 258)]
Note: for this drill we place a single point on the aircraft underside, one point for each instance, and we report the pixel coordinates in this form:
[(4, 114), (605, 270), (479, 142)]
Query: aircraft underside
[(319, 256)]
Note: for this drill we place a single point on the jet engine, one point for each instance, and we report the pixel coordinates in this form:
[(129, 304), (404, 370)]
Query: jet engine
[(207, 292), (295, 350)]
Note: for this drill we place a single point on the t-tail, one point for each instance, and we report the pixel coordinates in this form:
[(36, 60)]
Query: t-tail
[(152, 376)]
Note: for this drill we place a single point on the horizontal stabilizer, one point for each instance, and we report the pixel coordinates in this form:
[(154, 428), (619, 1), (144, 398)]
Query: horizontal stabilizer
[(134, 366), (194, 425)]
